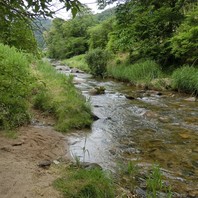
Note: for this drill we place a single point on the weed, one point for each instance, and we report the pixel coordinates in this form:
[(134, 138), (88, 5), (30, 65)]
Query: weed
[(154, 183), (127, 174)]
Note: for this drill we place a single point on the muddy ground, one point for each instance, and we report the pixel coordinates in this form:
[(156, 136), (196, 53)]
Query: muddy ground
[(20, 175)]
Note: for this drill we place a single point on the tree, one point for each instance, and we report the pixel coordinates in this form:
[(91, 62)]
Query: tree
[(36, 8), (69, 38), (184, 43), (99, 34), (145, 27)]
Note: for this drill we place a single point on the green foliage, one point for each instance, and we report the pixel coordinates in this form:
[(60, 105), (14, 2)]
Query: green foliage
[(41, 25), (144, 28), (185, 41), (68, 38), (144, 71), (99, 34), (154, 183), (85, 184), (57, 95), (78, 62), (97, 61), (17, 33), (15, 88), (186, 79), (32, 9)]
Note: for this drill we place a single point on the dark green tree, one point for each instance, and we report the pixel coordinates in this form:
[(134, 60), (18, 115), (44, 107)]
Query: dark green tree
[(145, 27), (69, 38)]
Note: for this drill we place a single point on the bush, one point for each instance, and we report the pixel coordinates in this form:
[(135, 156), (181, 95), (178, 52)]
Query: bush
[(15, 87), (185, 79), (97, 61)]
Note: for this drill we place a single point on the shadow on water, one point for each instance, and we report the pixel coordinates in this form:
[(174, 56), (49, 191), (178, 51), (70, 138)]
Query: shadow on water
[(152, 128)]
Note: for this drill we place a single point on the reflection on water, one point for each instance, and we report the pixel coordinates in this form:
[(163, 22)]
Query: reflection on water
[(150, 129)]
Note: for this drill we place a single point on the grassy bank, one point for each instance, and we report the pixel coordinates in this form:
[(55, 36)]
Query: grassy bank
[(185, 79), (77, 182), (24, 84), (146, 73), (78, 62), (57, 95)]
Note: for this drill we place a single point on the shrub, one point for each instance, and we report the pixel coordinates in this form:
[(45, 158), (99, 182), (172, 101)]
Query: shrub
[(185, 79), (15, 87), (97, 61)]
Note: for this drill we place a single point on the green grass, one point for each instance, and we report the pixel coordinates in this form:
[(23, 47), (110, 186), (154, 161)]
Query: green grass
[(139, 72), (185, 79), (82, 183), (15, 88), (10, 134), (77, 62), (155, 184), (56, 94)]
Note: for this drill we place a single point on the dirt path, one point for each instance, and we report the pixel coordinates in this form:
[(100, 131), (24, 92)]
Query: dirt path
[(20, 175)]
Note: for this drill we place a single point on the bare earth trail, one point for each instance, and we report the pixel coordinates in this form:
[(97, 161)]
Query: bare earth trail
[(20, 175)]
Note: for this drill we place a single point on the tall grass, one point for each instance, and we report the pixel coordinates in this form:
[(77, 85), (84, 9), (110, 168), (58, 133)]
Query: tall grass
[(139, 72), (82, 183), (15, 88), (185, 79), (78, 62), (57, 95)]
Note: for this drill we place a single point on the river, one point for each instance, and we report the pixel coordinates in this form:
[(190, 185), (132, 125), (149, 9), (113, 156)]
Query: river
[(153, 128)]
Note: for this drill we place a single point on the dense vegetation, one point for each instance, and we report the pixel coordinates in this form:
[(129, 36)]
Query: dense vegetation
[(144, 33)]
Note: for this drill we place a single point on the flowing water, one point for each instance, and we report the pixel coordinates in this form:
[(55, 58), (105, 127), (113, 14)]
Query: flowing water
[(153, 128)]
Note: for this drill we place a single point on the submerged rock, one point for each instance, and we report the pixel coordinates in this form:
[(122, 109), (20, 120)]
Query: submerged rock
[(97, 91), (62, 68)]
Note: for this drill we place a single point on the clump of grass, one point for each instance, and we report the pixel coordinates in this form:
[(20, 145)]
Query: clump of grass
[(144, 71), (82, 183), (185, 79), (10, 134), (78, 62), (155, 184), (127, 173), (15, 88), (57, 95)]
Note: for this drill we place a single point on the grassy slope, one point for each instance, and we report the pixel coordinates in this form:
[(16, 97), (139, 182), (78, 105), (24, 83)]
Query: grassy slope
[(57, 95)]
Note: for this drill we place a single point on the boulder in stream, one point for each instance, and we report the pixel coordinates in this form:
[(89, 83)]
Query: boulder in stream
[(97, 91)]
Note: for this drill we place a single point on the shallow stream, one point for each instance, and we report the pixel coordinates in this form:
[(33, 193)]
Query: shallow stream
[(153, 128)]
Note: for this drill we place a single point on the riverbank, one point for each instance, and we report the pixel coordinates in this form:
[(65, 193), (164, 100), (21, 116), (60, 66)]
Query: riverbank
[(145, 74)]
